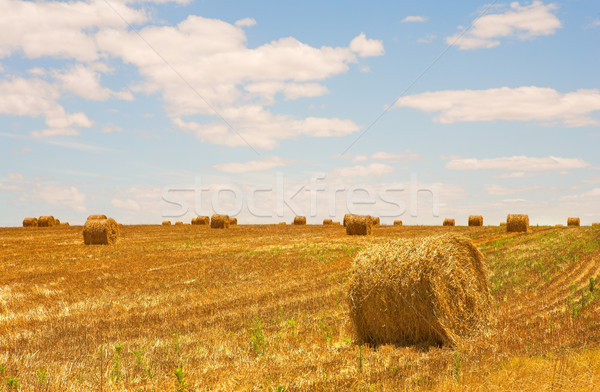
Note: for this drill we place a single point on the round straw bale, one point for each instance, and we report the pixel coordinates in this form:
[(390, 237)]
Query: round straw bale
[(573, 222), (359, 225), (30, 222), (178, 223), (201, 220), (376, 221), (56, 222), (448, 222), (96, 217), (327, 222), (475, 220), (346, 218), (100, 232), (429, 290), (397, 223), (502, 223), (300, 220), (66, 224), (517, 223), (219, 221), (232, 221), (46, 221), (166, 223), (282, 223)]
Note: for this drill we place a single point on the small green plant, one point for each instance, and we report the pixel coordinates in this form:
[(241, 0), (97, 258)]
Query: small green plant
[(280, 388), (457, 359), (592, 284), (327, 331), (292, 325), (117, 370), (42, 377), (180, 376), (2, 369), (360, 358), (257, 337), (12, 383)]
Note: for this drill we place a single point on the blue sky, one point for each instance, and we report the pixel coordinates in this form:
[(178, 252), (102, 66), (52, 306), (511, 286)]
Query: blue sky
[(476, 108)]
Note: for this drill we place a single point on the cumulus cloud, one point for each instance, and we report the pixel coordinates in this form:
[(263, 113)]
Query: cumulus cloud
[(246, 22), (519, 21), (406, 156), (127, 204), (64, 196), (517, 164), (499, 190), (84, 81), (365, 47), (414, 18), (530, 103), (371, 170), (591, 195), (261, 164)]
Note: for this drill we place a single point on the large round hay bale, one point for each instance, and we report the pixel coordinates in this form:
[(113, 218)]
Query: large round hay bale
[(359, 225), (346, 219), (448, 222), (516, 223), (100, 232), (573, 222), (327, 221), (219, 221), (300, 220), (201, 220), (475, 220), (166, 223), (397, 223), (96, 217), (30, 222), (376, 221), (46, 221), (232, 221), (427, 290)]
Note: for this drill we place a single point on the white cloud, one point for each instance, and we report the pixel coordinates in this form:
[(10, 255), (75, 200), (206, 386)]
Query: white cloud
[(54, 132), (371, 170), (110, 128), (127, 204), (255, 165), (360, 158), (496, 190), (59, 29), (15, 176), (517, 163), (544, 105), (63, 196), (427, 39), (35, 97), (396, 157), (246, 22), (291, 91), (84, 81), (519, 174), (520, 21), (365, 47), (591, 195), (414, 18)]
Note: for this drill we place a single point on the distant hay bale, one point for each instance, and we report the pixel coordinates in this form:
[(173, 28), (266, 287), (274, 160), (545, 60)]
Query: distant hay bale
[(46, 221), (427, 290), (502, 224), (475, 220), (66, 224), (376, 221), (516, 223), (56, 222), (178, 223), (359, 225), (558, 225), (300, 220), (201, 221), (397, 223), (327, 222), (100, 232), (573, 222), (596, 224), (282, 223), (346, 218), (448, 222), (219, 221), (166, 223), (30, 222), (232, 221), (96, 217), (335, 223)]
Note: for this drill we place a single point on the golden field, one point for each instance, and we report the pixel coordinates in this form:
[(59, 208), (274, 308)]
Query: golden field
[(264, 308)]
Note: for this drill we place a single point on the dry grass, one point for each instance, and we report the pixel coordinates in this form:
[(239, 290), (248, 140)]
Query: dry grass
[(475, 220), (517, 223), (573, 222), (300, 220), (359, 225), (219, 221), (448, 222), (260, 307), (419, 291), (596, 224), (100, 232)]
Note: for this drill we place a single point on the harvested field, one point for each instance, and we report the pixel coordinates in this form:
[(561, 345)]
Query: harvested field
[(263, 307)]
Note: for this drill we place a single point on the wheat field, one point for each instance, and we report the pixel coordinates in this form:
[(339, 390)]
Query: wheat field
[(264, 308)]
